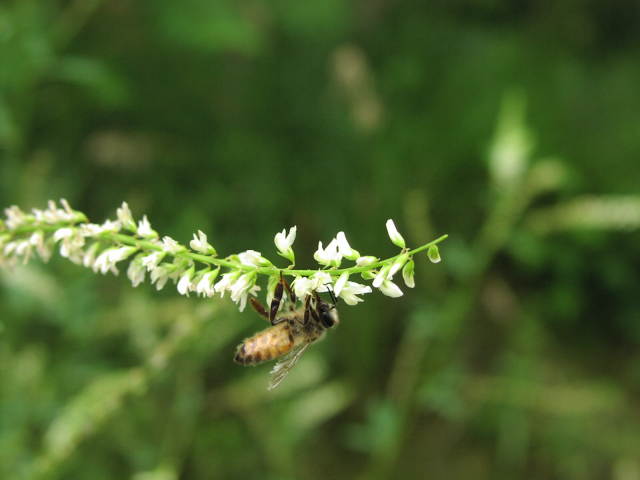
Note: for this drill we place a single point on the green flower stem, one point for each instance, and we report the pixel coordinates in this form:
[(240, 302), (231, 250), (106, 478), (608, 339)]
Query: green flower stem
[(269, 271), (209, 260)]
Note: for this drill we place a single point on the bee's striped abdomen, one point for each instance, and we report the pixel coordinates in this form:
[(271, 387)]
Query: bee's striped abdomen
[(265, 345)]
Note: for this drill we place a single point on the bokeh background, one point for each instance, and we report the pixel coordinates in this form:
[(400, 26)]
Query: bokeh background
[(512, 126)]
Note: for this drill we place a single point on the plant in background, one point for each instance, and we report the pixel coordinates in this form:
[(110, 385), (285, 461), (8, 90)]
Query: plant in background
[(197, 268)]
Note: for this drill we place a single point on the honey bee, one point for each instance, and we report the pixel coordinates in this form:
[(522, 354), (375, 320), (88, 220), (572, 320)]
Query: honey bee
[(290, 334)]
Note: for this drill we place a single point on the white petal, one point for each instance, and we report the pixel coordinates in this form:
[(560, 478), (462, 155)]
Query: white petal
[(125, 217), (390, 289), (344, 248), (381, 276), (394, 235), (340, 283)]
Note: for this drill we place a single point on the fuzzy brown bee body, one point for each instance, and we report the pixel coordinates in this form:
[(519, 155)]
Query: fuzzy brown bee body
[(290, 333), (278, 340)]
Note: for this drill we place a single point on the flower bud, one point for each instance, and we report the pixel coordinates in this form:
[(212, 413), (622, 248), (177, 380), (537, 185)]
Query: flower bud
[(394, 235)]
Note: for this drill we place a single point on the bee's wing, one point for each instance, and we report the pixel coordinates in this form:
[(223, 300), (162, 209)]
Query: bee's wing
[(284, 366)]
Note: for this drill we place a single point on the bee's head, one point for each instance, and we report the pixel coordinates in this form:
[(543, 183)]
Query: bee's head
[(328, 314)]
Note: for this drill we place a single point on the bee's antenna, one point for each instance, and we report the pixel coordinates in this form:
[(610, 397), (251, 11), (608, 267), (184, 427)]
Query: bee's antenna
[(333, 296)]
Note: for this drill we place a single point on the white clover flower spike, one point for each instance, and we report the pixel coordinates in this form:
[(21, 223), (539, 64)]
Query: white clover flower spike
[(102, 247), (284, 242), (394, 235)]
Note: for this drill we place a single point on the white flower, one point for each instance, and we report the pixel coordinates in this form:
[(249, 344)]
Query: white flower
[(37, 240), (205, 285), (407, 274), (320, 281), (145, 230), (136, 271), (9, 248), (103, 265), (225, 282), (93, 230), (284, 242), (23, 249), (365, 261), (345, 249), (169, 245), (340, 283), (241, 287), (253, 291), (349, 293), (394, 235), (89, 257), (200, 244), (390, 289), (61, 233), (107, 260), (71, 243), (252, 258), (122, 253), (381, 276), (152, 260), (160, 274), (125, 218), (329, 256), (53, 214), (397, 265), (303, 286), (15, 217), (184, 284)]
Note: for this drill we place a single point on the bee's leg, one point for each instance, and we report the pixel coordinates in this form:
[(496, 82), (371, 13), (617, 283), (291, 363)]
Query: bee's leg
[(277, 298), (314, 314), (292, 295), (307, 309), (312, 310), (316, 298), (257, 306)]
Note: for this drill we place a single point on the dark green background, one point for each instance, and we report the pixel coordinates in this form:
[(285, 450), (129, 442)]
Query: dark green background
[(516, 357)]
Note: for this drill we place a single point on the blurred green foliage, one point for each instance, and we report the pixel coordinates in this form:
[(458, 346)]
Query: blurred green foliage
[(512, 126)]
